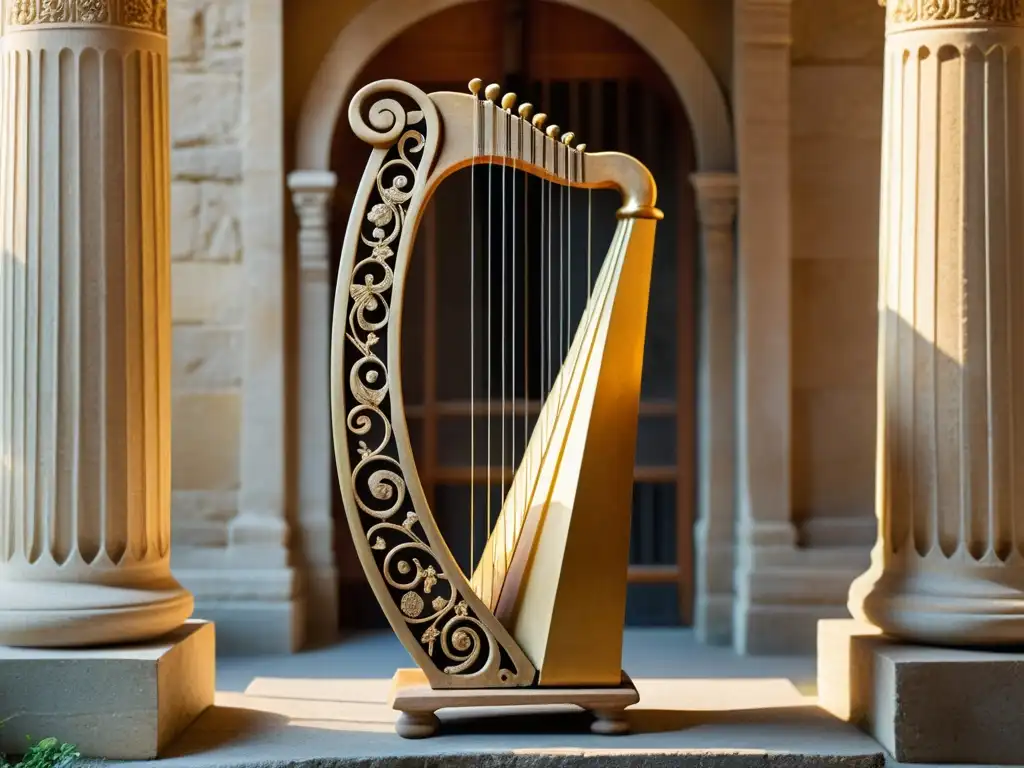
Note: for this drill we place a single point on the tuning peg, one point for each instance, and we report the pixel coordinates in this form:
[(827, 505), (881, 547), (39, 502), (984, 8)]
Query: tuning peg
[(568, 138), (475, 85), (539, 119), (525, 110), (581, 147), (553, 132), (492, 92), (508, 101)]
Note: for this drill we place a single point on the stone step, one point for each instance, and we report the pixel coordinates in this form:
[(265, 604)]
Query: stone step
[(678, 722)]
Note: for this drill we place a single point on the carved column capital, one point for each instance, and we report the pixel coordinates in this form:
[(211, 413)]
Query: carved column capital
[(914, 14), (144, 15), (312, 195), (717, 194)]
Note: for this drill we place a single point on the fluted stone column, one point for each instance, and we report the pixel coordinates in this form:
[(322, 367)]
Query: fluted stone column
[(85, 325), (312, 194), (717, 195), (948, 567)]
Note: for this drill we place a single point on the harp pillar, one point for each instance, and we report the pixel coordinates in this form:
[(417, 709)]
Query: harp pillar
[(312, 196), (85, 327), (948, 566), (716, 371)]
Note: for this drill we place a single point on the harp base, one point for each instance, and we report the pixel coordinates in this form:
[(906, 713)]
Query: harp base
[(417, 702)]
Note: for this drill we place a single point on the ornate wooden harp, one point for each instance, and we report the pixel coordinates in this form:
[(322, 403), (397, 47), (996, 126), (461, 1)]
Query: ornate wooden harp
[(539, 619)]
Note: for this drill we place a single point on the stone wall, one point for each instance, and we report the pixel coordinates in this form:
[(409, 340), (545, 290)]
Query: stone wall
[(836, 135), (206, 51)]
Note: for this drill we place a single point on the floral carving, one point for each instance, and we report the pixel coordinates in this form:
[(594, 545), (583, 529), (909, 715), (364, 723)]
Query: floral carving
[(160, 16), (425, 597), (93, 11), (22, 11), (54, 11), (922, 11), (138, 13)]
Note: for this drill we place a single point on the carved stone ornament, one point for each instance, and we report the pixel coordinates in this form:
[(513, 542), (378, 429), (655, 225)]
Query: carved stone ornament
[(150, 15), (954, 11)]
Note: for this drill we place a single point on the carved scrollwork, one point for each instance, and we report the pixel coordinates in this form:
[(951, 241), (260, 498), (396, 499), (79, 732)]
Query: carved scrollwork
[(54, 11), (926, 11), (150, 15), (440, 619)]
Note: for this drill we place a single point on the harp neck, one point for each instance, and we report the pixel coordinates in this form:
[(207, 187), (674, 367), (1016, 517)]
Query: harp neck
[(481, 131)]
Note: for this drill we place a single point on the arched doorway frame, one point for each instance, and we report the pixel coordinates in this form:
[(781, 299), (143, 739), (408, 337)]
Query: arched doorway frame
[(383, 20), (312, 185)]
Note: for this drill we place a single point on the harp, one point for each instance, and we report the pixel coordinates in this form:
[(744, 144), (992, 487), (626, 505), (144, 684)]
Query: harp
[(538, 618)]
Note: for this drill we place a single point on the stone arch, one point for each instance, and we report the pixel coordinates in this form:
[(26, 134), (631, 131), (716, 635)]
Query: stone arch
[(383, 20)]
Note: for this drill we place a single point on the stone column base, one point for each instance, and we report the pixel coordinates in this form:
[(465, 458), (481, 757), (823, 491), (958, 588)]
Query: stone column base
[(121, 703), (923, 704)]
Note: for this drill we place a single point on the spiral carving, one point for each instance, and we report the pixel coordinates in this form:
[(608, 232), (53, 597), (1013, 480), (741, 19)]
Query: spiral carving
[(384, 120), (455, 640)]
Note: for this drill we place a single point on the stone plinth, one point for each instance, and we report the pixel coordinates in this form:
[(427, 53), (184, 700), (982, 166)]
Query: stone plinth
[(125, 702), (923, 704)]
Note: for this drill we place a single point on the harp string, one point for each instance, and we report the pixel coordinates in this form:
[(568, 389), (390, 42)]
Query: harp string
[(568, 244), (590, 235), (502, 303), (543, 319), (512, 323), (562, 266), (548, 260), (490, 314), (526, 328), (472, 338)]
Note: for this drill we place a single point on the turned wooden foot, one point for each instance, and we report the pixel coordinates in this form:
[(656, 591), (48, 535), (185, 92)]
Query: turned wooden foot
[(609, 722), (416, 725)]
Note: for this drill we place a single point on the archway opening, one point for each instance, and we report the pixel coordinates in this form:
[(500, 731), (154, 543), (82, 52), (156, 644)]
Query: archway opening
[(593, 79)]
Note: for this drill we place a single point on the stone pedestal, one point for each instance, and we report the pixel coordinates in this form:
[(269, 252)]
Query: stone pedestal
[(923, 704), (124, 703), (948, 567)]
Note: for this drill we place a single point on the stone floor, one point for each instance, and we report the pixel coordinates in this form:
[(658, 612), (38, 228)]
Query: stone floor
[(699, 707)]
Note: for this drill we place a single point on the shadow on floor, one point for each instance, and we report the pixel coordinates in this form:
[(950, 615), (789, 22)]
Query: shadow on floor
[(220, 727)]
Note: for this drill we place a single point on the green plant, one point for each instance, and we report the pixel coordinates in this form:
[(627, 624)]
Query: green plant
[(48, 753)]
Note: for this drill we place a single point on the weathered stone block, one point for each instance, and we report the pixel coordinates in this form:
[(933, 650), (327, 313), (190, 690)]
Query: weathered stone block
[(225, 24), (205, 108), (219, 230), (201, 518), (186, 34), (207, 293), (220, 163), (124, 703), (923, 704), (205, 437), (185, 208), (206, 358)]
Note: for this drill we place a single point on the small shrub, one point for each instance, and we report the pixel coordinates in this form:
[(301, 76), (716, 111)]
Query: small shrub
[(48, 753)]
